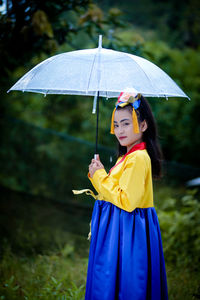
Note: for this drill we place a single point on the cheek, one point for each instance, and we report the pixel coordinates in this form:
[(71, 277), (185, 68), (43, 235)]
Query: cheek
[(131, 135), (116, 130), (129, 130)]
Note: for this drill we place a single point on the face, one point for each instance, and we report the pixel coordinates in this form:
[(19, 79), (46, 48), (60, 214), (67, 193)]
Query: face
[(123, 128)]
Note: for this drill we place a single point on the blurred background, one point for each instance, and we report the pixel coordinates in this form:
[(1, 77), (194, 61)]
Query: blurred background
[(47, 142)]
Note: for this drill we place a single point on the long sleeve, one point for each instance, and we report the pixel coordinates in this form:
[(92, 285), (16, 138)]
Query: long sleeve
[(128, 191)]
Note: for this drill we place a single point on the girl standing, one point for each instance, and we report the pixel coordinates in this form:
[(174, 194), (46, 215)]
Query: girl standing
[(126, 259)]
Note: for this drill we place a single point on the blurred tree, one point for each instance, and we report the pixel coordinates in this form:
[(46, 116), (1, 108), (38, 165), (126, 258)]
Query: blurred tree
[(176, 22), (33, 26), (178, 118)]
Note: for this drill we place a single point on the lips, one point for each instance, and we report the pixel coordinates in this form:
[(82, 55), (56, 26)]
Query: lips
[(122, 137)]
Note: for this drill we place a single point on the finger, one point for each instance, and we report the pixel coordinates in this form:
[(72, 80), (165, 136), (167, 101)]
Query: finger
[(90, 167)]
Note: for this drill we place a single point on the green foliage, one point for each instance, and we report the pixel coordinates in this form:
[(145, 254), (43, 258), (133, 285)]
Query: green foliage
[(42, 277), (180, 228), (34, 225), (46, 162), (34, 27), (177, 118), (173, 21), (44, 249), (179, 219)]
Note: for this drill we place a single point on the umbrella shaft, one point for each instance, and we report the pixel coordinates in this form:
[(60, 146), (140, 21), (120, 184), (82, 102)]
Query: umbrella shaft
[(97, 124)]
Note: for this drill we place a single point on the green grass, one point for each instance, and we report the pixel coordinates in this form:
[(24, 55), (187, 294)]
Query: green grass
[(183, 283), (53, 276)]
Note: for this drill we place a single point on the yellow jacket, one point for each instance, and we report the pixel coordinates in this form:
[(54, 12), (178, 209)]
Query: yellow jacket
[(129, 184)]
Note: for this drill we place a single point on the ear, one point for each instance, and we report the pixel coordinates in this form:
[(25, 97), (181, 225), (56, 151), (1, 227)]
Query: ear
[(143, 126)]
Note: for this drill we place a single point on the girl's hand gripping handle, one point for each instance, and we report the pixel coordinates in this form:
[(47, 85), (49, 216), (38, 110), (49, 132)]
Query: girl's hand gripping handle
[(95, 165)]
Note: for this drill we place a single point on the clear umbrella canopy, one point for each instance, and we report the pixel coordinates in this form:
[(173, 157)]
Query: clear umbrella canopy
[(98, 72), (86, 72)]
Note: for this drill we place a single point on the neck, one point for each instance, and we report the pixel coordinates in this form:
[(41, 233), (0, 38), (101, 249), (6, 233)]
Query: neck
[(131, 146)]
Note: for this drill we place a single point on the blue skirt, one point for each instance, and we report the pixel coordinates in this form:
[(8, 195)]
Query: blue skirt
[(126, 259)]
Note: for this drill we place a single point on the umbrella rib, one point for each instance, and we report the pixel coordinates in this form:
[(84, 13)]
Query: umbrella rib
[(105, 80), (142, 71), (34, 73), (91, 71), (164, 95)]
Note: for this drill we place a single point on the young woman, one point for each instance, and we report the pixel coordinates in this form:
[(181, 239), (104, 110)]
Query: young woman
[(126, 259)]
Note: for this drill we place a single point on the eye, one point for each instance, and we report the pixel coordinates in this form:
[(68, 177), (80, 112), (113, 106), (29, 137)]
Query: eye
[(126, 123), (115, 125)]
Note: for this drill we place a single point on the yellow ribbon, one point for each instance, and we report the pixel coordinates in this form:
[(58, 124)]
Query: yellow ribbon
[(87, 191), (90, 193), (135, 122), (112, 122)]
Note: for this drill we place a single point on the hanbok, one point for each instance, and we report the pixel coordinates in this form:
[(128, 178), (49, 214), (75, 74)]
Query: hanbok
[(126, 260)]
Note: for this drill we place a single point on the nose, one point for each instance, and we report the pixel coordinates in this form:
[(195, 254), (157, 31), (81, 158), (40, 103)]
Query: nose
[(121, 130)]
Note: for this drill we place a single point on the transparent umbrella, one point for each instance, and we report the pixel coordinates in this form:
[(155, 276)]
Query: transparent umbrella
[(98, 72)]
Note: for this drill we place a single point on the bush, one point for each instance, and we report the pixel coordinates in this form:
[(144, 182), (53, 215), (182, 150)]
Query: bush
[(180, 228)]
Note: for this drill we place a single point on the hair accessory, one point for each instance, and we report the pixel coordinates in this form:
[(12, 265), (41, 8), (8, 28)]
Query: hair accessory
[(128, 97)]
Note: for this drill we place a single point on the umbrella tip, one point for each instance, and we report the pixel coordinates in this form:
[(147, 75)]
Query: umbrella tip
[(100, 41)]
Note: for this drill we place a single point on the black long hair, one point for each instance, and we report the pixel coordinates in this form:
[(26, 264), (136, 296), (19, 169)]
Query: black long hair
[(150, 136)]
